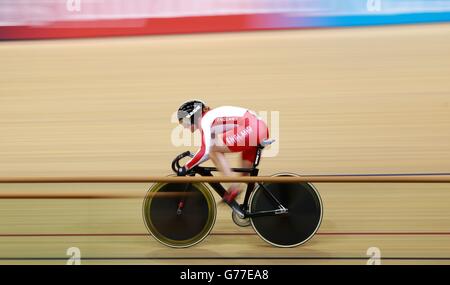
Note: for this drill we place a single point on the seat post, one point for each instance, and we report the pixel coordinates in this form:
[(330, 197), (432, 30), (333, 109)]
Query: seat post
[(258, 156)]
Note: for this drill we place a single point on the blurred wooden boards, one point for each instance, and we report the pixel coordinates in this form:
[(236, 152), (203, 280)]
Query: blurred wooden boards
[(363, 100), (224, 250), (403, 220), (369, 100)]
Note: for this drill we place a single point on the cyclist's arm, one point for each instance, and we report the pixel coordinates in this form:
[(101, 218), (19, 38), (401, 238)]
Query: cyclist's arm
[(202, 154)]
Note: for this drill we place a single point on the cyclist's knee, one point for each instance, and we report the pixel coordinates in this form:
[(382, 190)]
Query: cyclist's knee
[(246, 163), (219, 149)]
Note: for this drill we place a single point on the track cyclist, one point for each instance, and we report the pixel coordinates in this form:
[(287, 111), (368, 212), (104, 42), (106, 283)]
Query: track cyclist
[(223, 130)]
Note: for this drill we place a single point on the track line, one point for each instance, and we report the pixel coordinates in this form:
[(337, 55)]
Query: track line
[(231, 258), (219, 234), (379, 174)]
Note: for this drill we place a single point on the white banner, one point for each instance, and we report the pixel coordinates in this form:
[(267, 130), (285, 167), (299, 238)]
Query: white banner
[(39, 12), (24, 12)]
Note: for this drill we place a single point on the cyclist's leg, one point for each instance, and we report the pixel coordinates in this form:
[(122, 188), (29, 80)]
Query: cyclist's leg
[(244, 138), (218, 158), (217, 155), (261, 133)]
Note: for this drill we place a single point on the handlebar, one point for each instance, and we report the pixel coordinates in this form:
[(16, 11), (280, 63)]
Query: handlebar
[(175, 162)]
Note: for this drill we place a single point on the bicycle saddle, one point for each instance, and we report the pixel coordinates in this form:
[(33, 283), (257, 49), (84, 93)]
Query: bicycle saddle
[(266, 142)]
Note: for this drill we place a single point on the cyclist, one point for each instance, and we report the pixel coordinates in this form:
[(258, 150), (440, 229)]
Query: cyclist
[(223, 130)]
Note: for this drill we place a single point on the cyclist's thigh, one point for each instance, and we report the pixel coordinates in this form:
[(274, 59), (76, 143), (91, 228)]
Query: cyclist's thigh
[(220, 148), (237, 139), (245, 137), (249, 156), (225, 143)]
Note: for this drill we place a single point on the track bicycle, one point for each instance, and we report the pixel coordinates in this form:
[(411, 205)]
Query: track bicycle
[(183, 214)]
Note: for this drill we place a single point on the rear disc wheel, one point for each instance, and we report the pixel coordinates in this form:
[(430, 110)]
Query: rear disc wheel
[(299, 224)]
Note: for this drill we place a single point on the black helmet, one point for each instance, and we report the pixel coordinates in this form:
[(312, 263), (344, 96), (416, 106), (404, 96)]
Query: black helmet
[(190, 110)]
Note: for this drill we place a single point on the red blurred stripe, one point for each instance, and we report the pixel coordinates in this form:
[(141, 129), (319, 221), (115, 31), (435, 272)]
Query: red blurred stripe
[(127, 27)]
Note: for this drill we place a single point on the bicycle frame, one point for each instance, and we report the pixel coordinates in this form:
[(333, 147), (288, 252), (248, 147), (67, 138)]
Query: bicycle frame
[(261, 200), (243, 209)]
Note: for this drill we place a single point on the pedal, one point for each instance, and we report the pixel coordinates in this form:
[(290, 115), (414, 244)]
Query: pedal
[(236, 208)]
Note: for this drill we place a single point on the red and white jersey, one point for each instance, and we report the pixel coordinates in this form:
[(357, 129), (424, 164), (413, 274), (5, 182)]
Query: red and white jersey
[(217, 121)]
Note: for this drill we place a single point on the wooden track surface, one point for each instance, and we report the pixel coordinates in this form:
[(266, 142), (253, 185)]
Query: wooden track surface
[(350, 101)]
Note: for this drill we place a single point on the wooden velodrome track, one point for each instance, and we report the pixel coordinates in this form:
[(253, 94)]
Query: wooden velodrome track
[(350, 101)]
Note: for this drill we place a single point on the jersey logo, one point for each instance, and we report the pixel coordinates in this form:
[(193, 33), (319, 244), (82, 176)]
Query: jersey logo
[(194, 111), (237, 137)]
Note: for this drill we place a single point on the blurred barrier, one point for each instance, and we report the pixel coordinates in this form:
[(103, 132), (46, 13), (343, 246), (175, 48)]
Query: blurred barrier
[(243, 179), (32, 194), (93, 18)]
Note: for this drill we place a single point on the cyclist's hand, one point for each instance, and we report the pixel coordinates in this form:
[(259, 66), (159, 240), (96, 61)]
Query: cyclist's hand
[(182, 171)]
